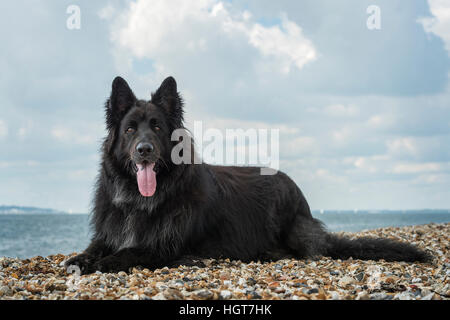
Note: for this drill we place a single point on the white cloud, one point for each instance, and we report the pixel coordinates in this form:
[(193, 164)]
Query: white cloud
[(402, 145), (222, 124), (299, 146), (432, 179), (107, 12), (154, 29), (288, 44), (25, 129), (81, 175), (342, 135), (381, 121), (68, 135), (416, 167), (5, 164), (362, 163), (439, 24), (340, 110), (22, 132), (3, 129)]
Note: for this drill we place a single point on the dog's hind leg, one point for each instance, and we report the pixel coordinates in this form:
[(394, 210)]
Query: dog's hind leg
[(307, 238)]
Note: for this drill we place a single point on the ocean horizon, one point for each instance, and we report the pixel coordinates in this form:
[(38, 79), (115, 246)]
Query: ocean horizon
[(24, 235)]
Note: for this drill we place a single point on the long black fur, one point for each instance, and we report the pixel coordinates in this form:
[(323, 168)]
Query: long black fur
[(200, 210)]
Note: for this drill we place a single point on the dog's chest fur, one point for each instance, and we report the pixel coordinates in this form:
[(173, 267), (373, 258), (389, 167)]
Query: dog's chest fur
[(140, 221), (126, 199)]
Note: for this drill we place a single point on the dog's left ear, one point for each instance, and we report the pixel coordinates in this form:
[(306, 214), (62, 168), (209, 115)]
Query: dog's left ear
[(168, 97), (120, 101)]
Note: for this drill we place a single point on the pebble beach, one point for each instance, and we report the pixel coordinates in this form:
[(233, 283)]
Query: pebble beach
[(44, 278)]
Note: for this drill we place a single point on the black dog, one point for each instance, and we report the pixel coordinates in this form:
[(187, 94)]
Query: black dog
[(151, 212)]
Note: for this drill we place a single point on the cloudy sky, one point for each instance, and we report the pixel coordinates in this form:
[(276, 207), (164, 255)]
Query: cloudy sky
[(364, 115)]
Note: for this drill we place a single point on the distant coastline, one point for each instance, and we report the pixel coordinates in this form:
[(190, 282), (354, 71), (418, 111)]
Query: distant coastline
[(28, 210), (382, 211)]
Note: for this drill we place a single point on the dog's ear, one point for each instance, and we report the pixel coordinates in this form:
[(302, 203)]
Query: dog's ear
[(168, 98), (120, 101), (110, 139)]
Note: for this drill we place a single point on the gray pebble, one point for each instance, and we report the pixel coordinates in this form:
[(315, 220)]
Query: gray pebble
[(378, 296), (225, 294)]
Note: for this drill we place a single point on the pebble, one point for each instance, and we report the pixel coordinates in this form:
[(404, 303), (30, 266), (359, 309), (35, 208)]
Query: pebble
[(360, 276), (378, 296), (225, 294), (334, 295), (204, 294), (404, 296), (159, 296), (45, 278), (5, 291), (363, 295), (173, 294), (345, 281), (428, 297)]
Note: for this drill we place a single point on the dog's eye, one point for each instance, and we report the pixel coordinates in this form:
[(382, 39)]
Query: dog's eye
[(154, 124), (130, 130)]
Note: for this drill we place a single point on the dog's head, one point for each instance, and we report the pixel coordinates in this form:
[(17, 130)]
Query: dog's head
[(140, 131)]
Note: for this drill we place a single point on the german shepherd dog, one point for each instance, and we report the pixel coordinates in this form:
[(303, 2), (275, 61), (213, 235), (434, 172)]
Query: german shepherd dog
[(151, 212)]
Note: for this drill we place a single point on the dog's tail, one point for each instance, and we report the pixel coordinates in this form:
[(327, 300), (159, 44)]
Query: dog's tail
[(373, 249), (310, 238)]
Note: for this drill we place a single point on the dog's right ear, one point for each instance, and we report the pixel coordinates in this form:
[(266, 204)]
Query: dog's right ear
[(120, 101)]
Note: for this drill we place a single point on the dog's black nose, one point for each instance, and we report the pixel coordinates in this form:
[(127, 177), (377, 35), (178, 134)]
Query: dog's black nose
[(144, 148)]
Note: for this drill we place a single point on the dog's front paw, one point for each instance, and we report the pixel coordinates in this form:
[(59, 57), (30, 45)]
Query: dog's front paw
[(109, 264), (80, 264)]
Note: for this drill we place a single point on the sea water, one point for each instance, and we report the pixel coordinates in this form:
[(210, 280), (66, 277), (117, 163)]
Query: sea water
[(28, 235)]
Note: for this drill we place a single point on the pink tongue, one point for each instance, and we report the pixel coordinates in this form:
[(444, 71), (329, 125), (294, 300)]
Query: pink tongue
[(146, 179)]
